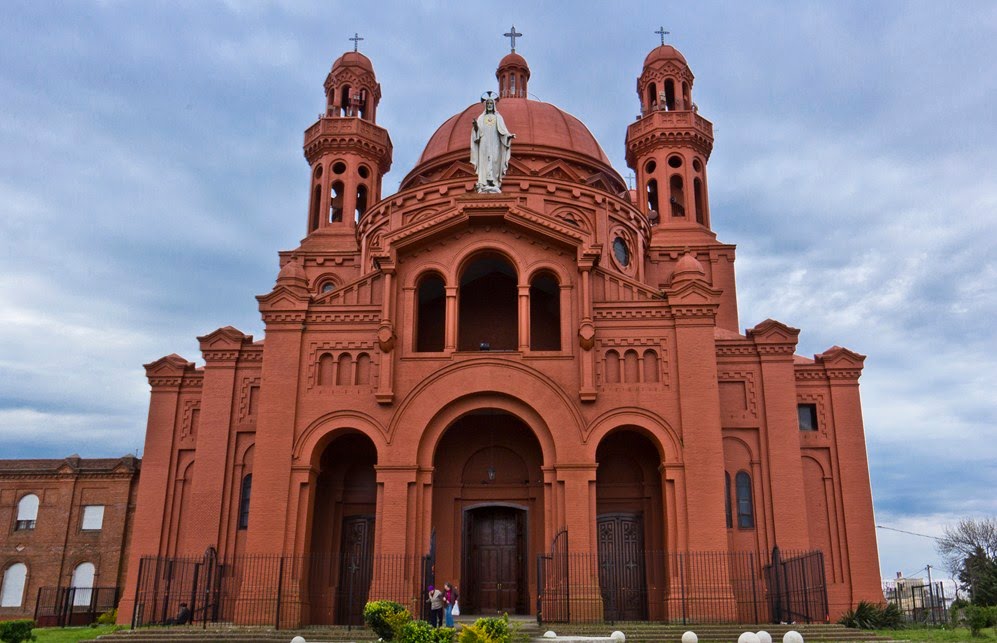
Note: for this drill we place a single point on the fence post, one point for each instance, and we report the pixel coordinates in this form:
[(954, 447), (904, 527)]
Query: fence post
[(540, 584), (138, 584), (682, 586), (280, 589), (755, 575)]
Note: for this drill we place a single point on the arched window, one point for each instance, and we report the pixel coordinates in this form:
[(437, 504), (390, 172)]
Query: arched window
[(631, 367), (745, 507), (83, 577), (361, 202), (344, 370), (247, 489), (650, 366), (652, 196), (670, 95), (612, 367), (677, 196), (727, 508), (545, 313), (686, 97), (326, 370), (697, 192), (363, 368), (652, 96), (316, 204), (12, 590), (336, 202), (488, 310), (430, 314), (344, 101), (27, 512)]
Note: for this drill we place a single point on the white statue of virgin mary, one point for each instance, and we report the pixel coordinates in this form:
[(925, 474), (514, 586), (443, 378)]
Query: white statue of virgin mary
[(491, 144)]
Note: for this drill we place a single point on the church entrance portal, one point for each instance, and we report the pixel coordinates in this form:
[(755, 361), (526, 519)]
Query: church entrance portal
[(494, 560), (488, 508), (621, 566)]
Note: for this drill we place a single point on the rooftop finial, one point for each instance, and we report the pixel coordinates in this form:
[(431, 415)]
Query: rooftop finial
[(512, 35), (356, 40), (661, 32)]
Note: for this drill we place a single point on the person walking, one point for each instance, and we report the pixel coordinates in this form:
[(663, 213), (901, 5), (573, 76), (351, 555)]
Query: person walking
[(449, 600), (435, 606)]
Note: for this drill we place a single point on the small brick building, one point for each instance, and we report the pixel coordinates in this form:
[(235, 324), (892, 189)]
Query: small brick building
[(64, 523), (483, 379)]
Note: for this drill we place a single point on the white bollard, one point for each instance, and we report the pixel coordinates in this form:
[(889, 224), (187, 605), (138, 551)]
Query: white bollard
[(550, 634), (764, 637), (690, 637), (748, 637), (618, 636), (299, 639), (792, 636)]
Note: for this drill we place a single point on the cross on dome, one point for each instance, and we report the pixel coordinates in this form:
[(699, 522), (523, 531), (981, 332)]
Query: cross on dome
[(356, 40), (512, 35), (661, 31)]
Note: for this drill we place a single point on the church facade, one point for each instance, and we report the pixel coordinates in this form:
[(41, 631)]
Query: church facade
[(474, 377)]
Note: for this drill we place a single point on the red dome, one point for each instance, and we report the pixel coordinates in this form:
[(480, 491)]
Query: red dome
[(353, 59), (533, 123), (513, 59), (664, 52)]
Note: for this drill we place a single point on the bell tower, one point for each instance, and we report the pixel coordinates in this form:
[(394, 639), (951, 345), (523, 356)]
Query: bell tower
[(348, 152), (669, 144)]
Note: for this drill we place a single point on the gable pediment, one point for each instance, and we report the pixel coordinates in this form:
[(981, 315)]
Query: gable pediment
[(225, 337), (773, 332), (171, 364)]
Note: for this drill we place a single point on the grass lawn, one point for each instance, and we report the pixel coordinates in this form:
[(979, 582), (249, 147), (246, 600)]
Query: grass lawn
[(936, 634), (72, 634)]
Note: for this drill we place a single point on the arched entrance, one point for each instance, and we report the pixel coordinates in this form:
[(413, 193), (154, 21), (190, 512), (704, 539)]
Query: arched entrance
[(630, 528), (342, 539), (488, 510)]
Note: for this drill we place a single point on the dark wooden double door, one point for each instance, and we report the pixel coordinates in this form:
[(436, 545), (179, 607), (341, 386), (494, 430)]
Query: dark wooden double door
[(622, 574), (356, 567), (494, 574)]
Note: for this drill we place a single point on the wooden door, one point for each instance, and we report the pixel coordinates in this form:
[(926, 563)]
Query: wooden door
[(494, 580), (356, 567), (621, 566)]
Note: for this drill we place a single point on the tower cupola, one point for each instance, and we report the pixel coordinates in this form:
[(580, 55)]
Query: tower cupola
[(348, 153), (669, 143), (513, 74)]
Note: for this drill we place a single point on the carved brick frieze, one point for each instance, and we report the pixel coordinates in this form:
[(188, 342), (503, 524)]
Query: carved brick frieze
[(335, 350), (810, 374), (736, 350), (247, 411), (296, 317), (613, 374), (343, 317), (750, 411), (220, 355), (189, 420)]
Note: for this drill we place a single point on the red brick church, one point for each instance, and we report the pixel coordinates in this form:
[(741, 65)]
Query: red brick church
[(467, 384)]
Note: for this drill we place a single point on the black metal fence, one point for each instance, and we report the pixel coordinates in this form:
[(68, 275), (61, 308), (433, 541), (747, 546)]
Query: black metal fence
[(686, 587), (277, 591), (66, 606), (922, 603)]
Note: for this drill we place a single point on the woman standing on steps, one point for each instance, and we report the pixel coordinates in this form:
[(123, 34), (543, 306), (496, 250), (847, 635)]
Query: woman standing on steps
[(449, 600)]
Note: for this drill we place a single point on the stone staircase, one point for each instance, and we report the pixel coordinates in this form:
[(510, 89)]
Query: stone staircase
[(635, 632)]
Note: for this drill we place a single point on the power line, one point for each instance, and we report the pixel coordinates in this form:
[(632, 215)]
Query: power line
[(912, 533)]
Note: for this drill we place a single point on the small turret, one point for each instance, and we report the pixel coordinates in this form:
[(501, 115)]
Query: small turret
[(669, 144), (348, 153)]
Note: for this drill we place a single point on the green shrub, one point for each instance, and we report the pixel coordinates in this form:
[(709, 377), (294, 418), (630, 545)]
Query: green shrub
[(423, 632), (384, 617), (869, 616), (110, 617), (976, 618), (488, 630), (17, 631)]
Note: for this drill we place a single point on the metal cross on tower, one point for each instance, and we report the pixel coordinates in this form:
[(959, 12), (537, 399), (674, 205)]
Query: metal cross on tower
[(512, 35), (661, 32), (356, 40)]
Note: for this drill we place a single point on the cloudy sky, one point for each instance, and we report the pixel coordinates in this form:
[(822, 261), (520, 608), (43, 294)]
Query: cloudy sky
[(151, 167)]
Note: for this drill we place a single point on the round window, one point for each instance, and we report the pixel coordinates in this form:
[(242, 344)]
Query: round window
[(621, 251)]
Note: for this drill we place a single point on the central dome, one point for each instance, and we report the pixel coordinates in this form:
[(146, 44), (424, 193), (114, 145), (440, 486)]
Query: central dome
[(534, 123)]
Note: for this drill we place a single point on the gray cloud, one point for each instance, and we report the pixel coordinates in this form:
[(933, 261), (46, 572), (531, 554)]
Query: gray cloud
[(152, 169)]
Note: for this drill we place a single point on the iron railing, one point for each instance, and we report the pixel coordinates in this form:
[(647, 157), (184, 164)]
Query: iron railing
[(274, 590), (921, 602), (680, 587), (69, 606)]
